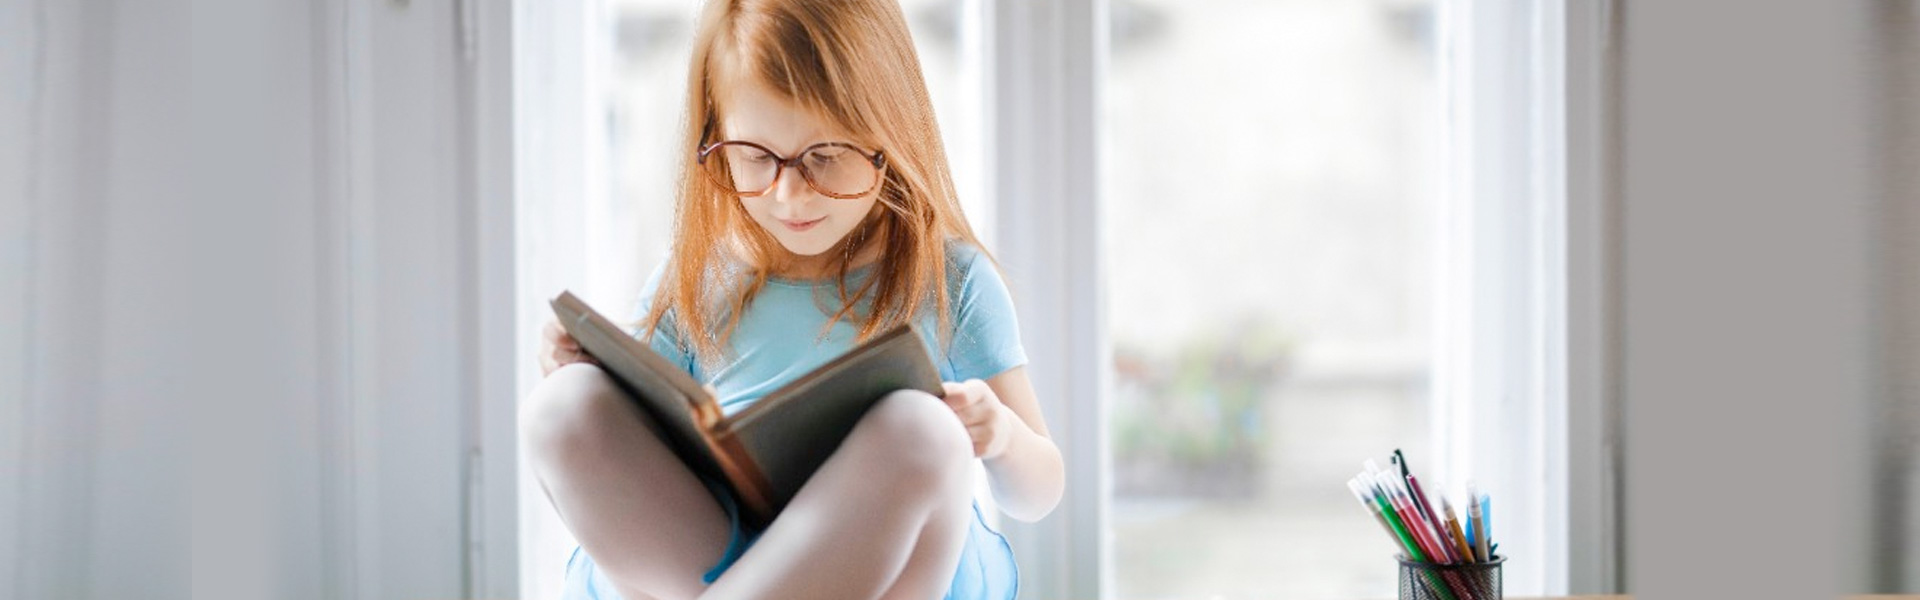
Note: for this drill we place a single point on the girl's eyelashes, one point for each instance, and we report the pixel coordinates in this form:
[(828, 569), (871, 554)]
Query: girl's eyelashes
[(825, 157)]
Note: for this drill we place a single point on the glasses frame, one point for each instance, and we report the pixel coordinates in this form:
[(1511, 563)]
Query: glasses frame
[(877, 157)]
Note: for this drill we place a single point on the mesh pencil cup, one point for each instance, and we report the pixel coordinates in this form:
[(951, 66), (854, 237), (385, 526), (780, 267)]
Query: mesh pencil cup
[(1427, 581)]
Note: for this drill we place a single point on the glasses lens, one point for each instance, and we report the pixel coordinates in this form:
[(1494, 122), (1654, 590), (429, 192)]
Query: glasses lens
[(840, 170), (750, 169)]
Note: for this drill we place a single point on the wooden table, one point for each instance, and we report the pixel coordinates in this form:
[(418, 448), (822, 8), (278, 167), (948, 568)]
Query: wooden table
[(1884, 597)]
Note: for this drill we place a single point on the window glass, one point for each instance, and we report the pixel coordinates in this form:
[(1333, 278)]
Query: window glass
[(1269, 185)]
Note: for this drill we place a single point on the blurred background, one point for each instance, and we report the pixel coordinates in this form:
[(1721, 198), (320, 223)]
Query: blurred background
[(270, 275)]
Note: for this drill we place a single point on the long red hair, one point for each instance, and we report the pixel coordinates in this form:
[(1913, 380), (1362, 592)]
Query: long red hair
[(853, 63)]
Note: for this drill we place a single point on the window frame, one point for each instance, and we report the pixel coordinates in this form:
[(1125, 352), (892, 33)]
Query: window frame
[(1530, 230), (1583, 36), (1043, 67)]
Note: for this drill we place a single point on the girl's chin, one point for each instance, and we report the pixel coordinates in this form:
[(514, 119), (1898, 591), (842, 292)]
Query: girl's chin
[(812, 242), (808, 246)]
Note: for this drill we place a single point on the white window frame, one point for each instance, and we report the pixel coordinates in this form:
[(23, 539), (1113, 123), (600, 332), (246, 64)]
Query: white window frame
[(490, 44), (415, 247), (1044, 66), (1524, 337), (38, 558)]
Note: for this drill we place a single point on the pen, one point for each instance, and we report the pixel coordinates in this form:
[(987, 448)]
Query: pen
[(1453, 529), (1412, 518), (1477, 522), (1418, 495), (1407, 540), (1399, 511), (1384, 497), (1372, 507), (1406, 477), (1436, 549), (1420, 500), (1486, 524), (1473, 537)]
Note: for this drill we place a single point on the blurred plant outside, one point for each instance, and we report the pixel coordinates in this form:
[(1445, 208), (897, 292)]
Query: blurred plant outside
[(1189, 420)]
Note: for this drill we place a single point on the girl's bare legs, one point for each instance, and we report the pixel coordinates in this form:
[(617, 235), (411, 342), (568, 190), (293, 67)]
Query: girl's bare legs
[(648, 522), (887, 514)]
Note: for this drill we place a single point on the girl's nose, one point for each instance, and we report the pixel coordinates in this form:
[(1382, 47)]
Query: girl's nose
[(792, 188)]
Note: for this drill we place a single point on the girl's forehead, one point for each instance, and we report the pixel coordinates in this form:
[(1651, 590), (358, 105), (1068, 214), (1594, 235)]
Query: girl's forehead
[(753, 111)]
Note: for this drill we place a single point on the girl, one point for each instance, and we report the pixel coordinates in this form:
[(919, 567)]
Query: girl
[(815, 210)]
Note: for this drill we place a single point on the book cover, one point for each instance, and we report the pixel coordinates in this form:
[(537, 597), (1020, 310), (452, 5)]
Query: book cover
[(766, 452)]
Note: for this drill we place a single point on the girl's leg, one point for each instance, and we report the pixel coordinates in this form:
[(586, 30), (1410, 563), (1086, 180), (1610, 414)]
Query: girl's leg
[(930, 569), (646, 520), (887, 513)]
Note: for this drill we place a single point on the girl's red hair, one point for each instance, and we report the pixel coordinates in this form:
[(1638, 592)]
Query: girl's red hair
[(853, 63)]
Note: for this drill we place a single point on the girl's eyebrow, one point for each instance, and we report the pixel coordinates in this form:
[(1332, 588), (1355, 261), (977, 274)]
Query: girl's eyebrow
[(812, 137), (811, 142), (818, 137)]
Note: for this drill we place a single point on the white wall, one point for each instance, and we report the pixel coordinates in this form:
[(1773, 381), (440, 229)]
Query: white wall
[(20, 38), (358, 118), (94, 461), (299, 320), (1751, 274)]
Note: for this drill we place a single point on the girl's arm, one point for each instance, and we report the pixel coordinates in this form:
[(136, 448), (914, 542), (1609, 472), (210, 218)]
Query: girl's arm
[(1010, 434)]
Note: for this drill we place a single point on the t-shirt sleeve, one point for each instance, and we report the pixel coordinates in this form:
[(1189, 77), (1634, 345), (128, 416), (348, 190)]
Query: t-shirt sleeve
[(986, 339), (666, 340)]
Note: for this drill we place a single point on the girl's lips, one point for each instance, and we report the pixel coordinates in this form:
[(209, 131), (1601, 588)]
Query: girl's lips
[(802, 225)]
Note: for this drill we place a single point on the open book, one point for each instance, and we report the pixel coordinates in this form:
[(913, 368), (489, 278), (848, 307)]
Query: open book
[(766, 452)]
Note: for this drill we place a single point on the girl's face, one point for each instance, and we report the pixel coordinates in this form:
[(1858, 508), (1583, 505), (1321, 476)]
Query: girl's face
[(806, 222)]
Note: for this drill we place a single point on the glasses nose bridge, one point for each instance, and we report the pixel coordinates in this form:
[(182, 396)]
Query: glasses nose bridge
[(780, 172), (791, 163), (798, 165)]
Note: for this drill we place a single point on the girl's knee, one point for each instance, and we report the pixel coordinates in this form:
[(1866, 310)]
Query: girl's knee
[(568, 408), (918, 435)]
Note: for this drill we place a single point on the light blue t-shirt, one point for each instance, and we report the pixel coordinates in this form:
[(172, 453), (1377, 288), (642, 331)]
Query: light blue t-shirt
[(779, 339), (779, 336)]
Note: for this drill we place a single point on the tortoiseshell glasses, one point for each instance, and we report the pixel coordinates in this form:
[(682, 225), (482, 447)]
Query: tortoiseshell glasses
[(835, 169)]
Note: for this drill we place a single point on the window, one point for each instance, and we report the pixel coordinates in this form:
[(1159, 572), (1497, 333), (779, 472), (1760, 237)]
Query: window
[(1270, 188)]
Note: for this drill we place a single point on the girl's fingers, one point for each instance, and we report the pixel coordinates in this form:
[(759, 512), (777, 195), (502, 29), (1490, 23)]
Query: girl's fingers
[(979, 432), (957, 397), (981, 415), (555, 357), (977, 413), (970, 393), (576, 355), (557, 335), (979, 388)]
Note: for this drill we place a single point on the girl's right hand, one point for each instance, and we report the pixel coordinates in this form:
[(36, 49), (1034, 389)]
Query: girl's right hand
[(558, 349)]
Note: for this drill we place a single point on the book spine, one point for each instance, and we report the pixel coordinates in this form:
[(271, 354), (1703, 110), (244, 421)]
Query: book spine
[(751, 486)]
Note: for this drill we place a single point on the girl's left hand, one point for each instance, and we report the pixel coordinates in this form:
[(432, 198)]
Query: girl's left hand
[(988, 422)]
